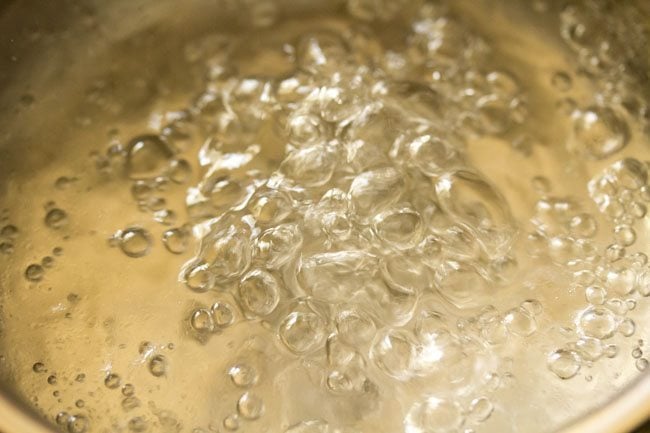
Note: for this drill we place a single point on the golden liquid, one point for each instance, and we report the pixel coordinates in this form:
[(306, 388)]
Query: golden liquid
[(386, 217)]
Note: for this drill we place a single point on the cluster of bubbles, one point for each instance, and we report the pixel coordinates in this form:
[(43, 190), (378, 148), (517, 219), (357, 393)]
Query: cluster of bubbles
[(607, 278), (336, 208)]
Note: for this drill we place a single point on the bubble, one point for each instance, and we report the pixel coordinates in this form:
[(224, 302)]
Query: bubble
[(78, 424), (147, 157), (158, 365), (302, 332), (480, 409), (135, 242), (461, 284), (595, 295), (9, 231), (201, 321), (627, 327), (6, 248), (615, 252), (597, 322), (629, 173), (165, 217), (259, 292), (541, 185), (475, 204), (130, 403), (138, 424), (250, 406), (621, 280), (561, 81), (402, 228), (321, 51), (433, 415), (564, 363), (223, 314), (598, 133), (226, 249), (532, 306), (589, 349), (56, 219), (196, 276), (128, 390), (271, 207), (643, 284), (180, 171), (277, 246), (112, 381), (34, 273), (243, 375), (624, 235), (39, 367), (394, 352), (175, 240), (495, 114), (519, 322), (583, 226), (355, 327), (310, 166), (231, 422), (62, 418), (376, 190), (641, 364), (611, 350), (432, 155), (335, 276), (80, 403)]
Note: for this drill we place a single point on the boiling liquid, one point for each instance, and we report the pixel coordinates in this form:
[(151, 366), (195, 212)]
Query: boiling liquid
[(403, 217)]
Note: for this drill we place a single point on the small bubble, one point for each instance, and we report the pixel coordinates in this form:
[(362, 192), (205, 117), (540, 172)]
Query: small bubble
[(52, 380), (627, 327), (243, 375), (112, 381), (561, 81), (434, 415), (39, 367), (128, 390), (259, 292), (641, 364), (138, 424), (533, 307), (165, 217), (56, 219), (637, 353), (201, 321), (598, 133), (158, 365), (47, 262), (78, 424), (625, 235), (6, 248), (63, 182), (180, 171), (595, 295), (134, 241), (80, 377), (57, 251), (197, 276), (302, 332), (610, 351), (519, 322), (231, 422), (541, 185), (589, 349), (34, 272), (62, 418), (597, 322), (80, 403), (223, 314), (480, 409), (583, 226), (147, 157), (130, 403), (9, 231), (176, 240), (250, 406), (564, 363), (615, 252)]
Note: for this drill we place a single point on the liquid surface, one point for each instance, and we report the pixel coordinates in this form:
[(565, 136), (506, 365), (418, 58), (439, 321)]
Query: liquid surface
[(397, 217)]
